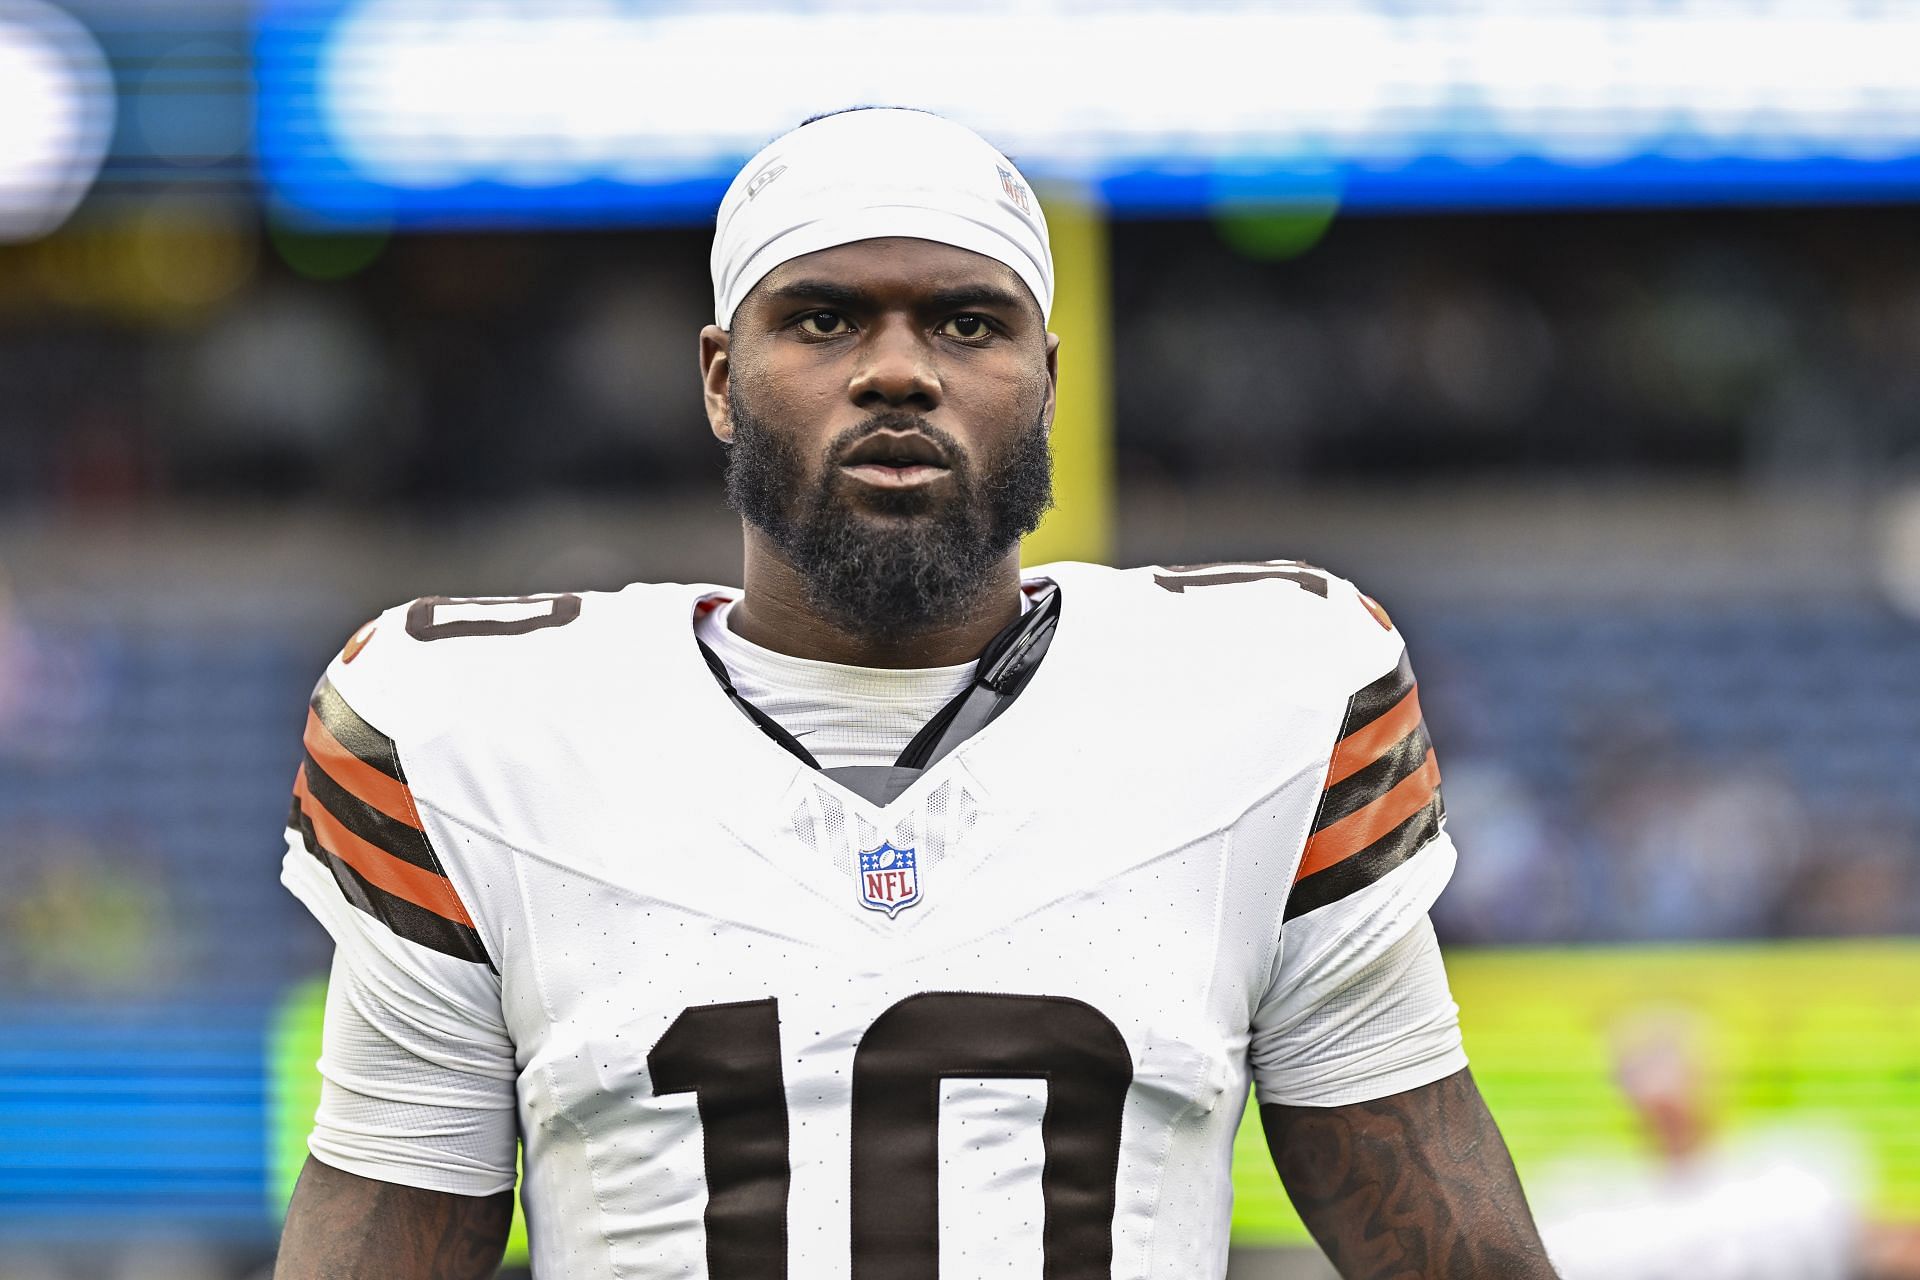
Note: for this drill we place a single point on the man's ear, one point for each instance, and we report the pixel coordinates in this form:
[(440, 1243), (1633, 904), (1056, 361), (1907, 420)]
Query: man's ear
[(716, 372), (1053, 376)]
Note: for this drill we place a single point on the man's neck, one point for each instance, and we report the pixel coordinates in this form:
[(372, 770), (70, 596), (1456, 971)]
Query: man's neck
[(774, 614)]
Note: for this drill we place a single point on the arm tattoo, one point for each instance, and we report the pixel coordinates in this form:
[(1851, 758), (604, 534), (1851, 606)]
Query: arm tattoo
[(1416, 1186), (344, 1227)]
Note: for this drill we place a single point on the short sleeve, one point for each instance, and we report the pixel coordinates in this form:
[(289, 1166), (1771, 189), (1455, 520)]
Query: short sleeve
[(412, 1092), (1373, 1021), (418, 1069), (1357, 1004)]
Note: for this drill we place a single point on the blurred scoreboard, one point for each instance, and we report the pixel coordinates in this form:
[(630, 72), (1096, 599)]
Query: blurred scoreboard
[(529, 111)]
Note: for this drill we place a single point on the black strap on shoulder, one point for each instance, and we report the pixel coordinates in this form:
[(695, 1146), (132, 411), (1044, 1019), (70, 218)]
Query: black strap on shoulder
[(1005, 666), (768, 725)]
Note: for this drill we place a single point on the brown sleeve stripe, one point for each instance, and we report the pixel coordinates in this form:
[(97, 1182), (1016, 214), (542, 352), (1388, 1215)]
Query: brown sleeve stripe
[(401, 839), (1355, 791), (1381, 802), (377, 788), (1361, 829), (402, 879), (358, 738), (1335, 882), (1378, 698), (356, 815), (1360, 747), (407, 920)]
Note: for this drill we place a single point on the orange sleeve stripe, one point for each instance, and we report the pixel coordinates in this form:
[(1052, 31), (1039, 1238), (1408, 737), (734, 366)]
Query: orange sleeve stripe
[(1363, 827), (400, 878), (1366, 744), (356, 776)]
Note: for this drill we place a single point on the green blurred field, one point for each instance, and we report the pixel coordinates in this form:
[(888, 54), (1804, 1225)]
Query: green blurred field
[(1808, 1032), (1814, 1032)]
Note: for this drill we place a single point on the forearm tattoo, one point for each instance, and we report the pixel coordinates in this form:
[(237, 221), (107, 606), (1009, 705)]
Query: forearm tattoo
[(1416, 1186), (344, 1227)]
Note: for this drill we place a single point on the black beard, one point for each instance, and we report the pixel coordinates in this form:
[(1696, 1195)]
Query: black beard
[(904, 577)]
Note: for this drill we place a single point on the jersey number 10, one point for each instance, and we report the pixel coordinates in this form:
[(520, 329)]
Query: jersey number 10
[(728, 1056)]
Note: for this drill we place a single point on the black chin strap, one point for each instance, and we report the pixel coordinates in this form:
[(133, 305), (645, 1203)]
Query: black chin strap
[(1006, 665)]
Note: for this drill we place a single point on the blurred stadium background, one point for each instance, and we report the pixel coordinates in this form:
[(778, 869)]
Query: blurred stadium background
[(1585, 336)]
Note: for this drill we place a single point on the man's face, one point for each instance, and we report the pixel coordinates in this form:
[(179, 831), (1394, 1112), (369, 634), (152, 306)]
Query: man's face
[(886, 406)]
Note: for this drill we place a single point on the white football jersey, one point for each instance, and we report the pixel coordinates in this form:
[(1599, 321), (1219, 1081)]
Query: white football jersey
[(753, 1026)]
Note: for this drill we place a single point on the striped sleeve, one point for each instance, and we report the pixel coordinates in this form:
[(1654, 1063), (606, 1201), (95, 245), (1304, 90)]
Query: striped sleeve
[(1381, 801), (417, 1065), (354, 813)]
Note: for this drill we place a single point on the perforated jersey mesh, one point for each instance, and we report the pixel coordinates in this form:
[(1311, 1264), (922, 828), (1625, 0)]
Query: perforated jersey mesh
[(934, 827)]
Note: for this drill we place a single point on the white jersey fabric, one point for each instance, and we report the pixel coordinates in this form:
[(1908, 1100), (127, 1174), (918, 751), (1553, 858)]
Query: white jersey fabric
[(733, 1011)]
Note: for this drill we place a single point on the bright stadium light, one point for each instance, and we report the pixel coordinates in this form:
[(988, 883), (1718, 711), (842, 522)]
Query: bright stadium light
[(424, 112), (56, 114), (431, 93)]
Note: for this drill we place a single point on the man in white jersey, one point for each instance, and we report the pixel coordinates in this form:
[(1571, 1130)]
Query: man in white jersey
[(895, 916)]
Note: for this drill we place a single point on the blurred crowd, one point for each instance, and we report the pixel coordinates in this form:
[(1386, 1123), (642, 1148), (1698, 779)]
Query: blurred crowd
[(1657, 844), (191, 353), (1767, 346)]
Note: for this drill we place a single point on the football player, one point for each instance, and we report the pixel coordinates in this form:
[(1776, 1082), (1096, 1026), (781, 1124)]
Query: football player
[(898, 914)]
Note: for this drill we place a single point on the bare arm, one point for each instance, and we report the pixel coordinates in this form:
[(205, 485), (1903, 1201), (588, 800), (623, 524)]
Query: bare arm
[(1415, 1185), (344, 1227)]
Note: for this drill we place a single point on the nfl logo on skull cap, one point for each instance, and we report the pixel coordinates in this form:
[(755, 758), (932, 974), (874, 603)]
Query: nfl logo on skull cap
[(889, 879), (1016, 190)]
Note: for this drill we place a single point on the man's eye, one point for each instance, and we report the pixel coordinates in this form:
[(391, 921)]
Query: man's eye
[(823, 324), (969, 328)]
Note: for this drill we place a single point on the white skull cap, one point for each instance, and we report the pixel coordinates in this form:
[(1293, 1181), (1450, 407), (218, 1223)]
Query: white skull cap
[(860, 175)]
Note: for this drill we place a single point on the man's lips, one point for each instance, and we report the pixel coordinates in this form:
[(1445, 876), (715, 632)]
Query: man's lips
[(895, 460), (892, 477)]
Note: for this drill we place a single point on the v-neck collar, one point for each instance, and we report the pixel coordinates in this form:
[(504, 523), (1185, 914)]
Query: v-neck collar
[(694, 668)]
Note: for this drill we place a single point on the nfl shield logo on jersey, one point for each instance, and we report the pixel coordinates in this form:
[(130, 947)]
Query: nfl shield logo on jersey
[(889, 879)]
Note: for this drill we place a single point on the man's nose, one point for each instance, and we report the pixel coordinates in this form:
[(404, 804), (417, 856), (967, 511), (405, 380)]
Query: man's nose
[(896, 369)]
